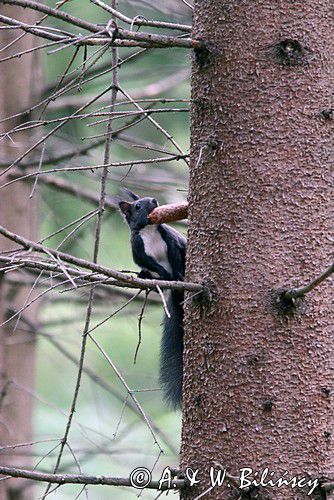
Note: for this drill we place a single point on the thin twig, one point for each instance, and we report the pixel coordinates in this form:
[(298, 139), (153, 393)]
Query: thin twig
[(109, 388), (55, 129), (67, 226), (295, 293), (39, 169), (162, 85), (163, 301), (188, 4), (140, 320), (141, 21), (157, 125), (122, 379), (117, 164)]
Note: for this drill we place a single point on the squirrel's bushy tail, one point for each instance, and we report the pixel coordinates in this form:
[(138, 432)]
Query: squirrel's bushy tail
[(171, 353)]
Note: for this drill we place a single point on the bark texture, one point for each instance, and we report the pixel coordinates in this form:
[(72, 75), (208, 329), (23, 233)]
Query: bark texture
[(19, 82), (259, 379)]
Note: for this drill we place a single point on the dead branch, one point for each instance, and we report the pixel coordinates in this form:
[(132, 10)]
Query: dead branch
[(141, 21), (118, 37), (129, 163), (64, 16), (160, 86), (295, 293), (82, 479), (123, 279)]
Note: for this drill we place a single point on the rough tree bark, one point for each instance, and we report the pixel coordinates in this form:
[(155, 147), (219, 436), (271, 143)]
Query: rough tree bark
[(259, 378), (19, 82)]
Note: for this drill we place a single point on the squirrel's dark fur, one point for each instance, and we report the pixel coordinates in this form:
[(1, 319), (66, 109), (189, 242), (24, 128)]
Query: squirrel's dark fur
[(159, 250)]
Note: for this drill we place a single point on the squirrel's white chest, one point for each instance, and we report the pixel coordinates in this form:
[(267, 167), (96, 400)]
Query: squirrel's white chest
[(155, 246)]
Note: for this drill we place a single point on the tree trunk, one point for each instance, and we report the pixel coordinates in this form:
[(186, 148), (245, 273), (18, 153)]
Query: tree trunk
[(258, 388), (19, 79)]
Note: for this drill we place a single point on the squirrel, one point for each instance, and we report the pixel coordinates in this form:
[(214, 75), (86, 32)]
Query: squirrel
[(159, 250)]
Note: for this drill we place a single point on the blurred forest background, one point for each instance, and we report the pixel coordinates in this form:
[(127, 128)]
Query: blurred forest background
[(120, 421), (108, 438)]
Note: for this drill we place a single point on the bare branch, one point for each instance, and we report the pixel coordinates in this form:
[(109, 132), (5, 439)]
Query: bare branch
[(73, 84), (295, 293), (159, 41), (64, 16), (131, 394), (163, 302), (82, 479), (71, 39), (141, 21), (131, 163), (187, 4), (101, 270), (111, 389), (119, 36), (55, 129), (140, 320), (162, 85), (79, 151), (157, 125)]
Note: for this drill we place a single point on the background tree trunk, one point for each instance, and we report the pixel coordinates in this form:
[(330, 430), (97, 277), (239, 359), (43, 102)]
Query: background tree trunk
[(19, 82), (258, 389)]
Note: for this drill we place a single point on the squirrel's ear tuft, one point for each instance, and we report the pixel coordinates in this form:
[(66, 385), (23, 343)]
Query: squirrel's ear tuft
[(132, 195), (125, 207)]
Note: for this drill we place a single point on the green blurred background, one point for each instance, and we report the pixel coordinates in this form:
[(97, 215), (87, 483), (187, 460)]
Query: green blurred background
[(108, 438)]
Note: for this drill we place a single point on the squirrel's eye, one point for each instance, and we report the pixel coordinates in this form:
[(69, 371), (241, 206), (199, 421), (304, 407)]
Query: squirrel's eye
[(137, 206)]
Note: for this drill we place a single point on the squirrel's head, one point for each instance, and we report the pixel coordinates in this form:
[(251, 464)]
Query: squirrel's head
[(136, 212)]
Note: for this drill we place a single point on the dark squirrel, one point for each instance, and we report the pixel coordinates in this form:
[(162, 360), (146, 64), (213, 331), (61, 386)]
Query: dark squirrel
[(159, 250)]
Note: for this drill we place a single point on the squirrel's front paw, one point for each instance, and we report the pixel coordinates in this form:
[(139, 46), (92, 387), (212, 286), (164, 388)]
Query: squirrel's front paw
[(145, 274)]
